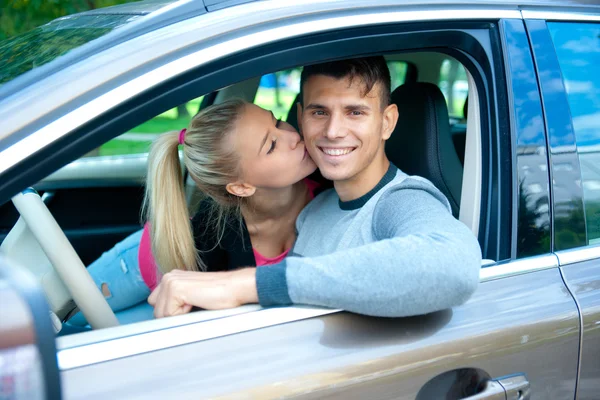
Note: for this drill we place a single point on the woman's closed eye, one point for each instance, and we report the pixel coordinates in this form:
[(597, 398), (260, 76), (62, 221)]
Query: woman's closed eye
[(273, 143)]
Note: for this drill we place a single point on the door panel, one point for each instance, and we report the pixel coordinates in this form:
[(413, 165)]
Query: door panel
[(94, 219), (520, 325), (584, 281)]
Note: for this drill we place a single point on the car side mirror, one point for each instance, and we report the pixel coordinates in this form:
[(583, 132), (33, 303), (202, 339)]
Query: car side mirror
[(28, 365)]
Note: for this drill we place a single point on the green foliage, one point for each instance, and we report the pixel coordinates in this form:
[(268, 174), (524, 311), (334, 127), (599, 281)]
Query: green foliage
[(41, 45), (19, 16), (592, 214)]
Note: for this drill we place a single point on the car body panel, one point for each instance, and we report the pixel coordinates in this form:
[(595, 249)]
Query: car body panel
[(522, 321), (348, 356), (581, 264), (584, 280)]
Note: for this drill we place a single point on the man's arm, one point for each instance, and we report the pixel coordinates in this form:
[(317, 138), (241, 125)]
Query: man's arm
[(426, 261)]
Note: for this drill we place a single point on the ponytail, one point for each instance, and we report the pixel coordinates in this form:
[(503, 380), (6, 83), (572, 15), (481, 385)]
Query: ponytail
[(212, 164), (166, 209)]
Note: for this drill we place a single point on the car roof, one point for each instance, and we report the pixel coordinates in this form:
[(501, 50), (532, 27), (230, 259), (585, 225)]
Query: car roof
[(154, 22), (156, 14)]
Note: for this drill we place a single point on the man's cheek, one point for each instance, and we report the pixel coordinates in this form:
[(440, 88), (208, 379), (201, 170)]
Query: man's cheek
[(311, 147)]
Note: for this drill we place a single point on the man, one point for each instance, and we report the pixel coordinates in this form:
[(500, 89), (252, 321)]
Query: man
[(380, 243)]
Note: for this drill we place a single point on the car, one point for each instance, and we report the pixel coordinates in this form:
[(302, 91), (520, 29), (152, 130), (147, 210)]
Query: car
[(499, 107)]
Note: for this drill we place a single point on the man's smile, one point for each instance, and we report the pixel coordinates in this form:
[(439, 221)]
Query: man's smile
[(336, 151)]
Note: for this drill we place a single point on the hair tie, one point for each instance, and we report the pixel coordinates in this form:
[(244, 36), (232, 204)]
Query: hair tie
[(182, 135)]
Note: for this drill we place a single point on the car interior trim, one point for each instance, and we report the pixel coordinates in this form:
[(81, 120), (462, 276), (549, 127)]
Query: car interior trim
[(581, 254), (470, 205), (517, 267), (76, 118)]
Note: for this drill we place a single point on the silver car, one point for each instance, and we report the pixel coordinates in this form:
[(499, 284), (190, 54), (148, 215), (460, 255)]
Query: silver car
[(509, 131)]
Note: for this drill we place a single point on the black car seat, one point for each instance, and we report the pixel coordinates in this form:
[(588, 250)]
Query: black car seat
[(421, 143), (292, 116)]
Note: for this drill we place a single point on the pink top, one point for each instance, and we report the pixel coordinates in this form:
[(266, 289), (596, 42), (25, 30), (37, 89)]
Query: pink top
[(262, 260), (149, 270)]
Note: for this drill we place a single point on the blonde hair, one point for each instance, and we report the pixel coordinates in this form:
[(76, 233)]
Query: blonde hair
[(211, 164)]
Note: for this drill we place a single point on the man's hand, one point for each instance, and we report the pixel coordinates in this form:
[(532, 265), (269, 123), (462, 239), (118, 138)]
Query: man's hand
[(179, 291)]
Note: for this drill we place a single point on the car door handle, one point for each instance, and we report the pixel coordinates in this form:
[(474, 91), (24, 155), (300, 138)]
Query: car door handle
[(515, 387)]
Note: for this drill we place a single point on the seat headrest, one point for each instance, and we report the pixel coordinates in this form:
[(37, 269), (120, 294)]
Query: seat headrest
[(421, 143), (292, 116)]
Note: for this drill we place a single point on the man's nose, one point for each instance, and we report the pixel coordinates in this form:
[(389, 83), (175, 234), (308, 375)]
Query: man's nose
[(335, 127)]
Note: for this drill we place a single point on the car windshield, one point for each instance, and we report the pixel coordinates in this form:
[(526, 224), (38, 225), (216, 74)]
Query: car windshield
[(41, 45)]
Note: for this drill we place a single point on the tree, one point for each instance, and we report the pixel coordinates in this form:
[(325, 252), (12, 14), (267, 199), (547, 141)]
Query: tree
[(19, 16)]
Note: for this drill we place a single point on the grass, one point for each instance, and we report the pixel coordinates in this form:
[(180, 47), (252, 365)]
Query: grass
[(165, 122), (118, 147), (161, 124)]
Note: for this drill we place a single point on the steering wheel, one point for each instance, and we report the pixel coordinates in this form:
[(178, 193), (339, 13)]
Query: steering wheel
[(37, 223)]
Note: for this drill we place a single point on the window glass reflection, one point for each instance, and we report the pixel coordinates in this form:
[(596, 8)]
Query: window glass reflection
[(578, 49)]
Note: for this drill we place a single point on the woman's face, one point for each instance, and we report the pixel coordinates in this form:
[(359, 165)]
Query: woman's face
[(272, 153)]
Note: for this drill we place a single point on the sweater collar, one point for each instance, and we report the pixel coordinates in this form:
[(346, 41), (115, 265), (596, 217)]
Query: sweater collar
[(362, 200)]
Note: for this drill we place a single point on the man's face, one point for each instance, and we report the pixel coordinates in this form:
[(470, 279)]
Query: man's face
[(344, 130)]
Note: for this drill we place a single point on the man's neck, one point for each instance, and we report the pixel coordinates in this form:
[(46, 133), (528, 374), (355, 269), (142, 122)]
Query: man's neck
[(364, 181)]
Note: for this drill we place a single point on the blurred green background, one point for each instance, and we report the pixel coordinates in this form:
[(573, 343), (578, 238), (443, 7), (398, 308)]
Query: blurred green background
[(19, 16)]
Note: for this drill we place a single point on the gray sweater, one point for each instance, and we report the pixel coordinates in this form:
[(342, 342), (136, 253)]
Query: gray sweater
[(396, 251)]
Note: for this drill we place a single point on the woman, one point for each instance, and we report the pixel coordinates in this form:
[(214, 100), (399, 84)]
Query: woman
[(252, 168)]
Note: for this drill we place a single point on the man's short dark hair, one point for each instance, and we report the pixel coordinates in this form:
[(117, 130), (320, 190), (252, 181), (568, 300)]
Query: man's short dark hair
[(370, 70)]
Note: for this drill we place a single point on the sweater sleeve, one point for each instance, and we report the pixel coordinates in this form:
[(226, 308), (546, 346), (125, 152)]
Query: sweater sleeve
[(424, 261)]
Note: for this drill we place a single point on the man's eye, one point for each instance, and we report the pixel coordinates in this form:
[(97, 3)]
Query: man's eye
[(273, 143), (319, 112), (356, 113)]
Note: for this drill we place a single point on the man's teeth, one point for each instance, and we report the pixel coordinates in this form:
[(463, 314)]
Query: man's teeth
[(337, 152)]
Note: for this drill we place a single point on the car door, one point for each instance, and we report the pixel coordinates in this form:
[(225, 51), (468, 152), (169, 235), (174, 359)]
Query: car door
[(565, 50), (28, 367), (517, 336)]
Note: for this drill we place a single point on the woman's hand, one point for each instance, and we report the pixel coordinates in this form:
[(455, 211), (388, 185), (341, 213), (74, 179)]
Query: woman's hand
[(179, 291)]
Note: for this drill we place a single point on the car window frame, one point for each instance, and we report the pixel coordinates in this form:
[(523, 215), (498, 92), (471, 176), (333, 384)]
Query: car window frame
[(104, 127), (536, 21), (579, 201), (128, 114)]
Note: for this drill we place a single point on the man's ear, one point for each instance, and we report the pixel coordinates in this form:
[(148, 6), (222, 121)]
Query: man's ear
[(299, 116), (240, 189), (390, 119)]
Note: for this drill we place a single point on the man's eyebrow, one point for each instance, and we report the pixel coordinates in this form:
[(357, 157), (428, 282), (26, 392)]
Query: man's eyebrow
[(315, 106), (266, 135), (357, 107)]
